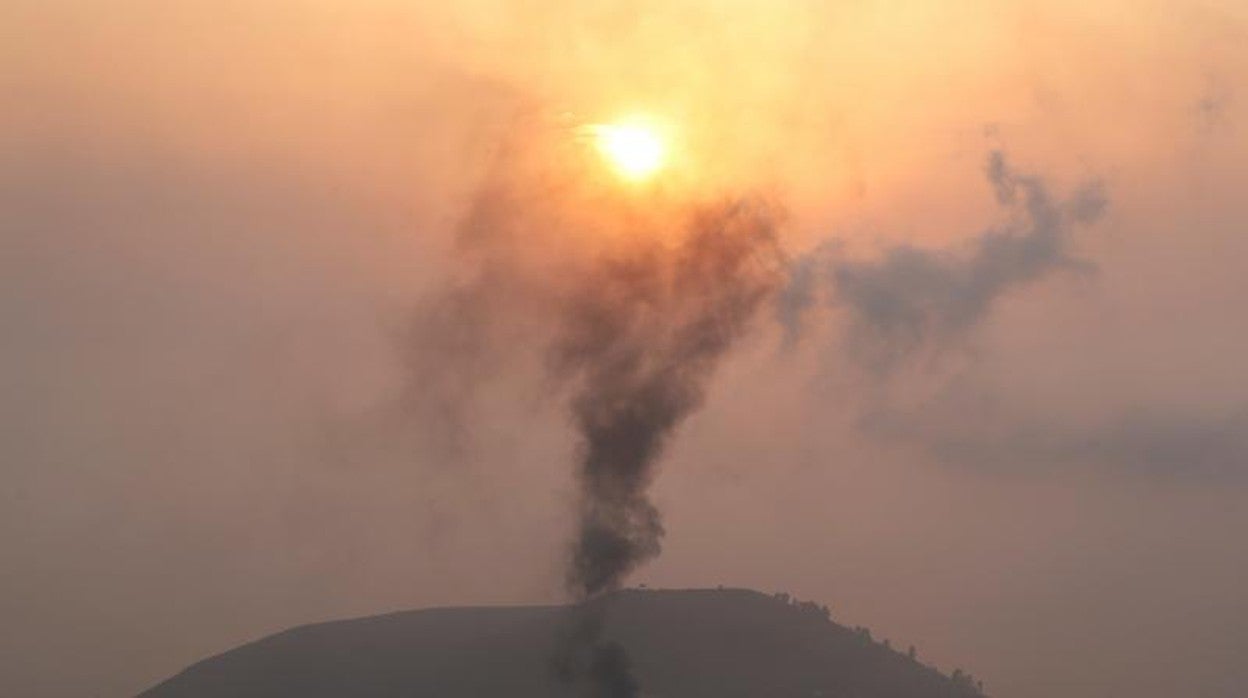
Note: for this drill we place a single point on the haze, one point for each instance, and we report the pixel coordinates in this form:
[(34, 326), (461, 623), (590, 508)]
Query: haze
[(221, 224)]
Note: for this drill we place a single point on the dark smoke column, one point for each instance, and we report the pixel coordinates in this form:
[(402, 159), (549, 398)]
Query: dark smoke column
[(631, 300), (642, 337)]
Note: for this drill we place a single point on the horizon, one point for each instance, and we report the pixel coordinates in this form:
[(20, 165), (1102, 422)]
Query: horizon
[(763, 628)]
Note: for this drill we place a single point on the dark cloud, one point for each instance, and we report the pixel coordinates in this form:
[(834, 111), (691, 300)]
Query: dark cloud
[(911, 298), (641, 336), (630, 334)]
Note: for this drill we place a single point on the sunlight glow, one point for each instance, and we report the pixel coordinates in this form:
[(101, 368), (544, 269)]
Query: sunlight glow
[(633, 149)]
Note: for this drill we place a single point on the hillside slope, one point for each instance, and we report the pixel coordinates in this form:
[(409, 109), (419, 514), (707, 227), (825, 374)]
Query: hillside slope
[(683, 644)]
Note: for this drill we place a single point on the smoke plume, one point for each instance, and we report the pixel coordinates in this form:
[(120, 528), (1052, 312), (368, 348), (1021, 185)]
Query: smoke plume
[(641, 337), (630, 305), (631, 325), (911, 297)]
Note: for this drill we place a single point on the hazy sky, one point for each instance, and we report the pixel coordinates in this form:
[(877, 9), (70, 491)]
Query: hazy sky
[(222, 222)]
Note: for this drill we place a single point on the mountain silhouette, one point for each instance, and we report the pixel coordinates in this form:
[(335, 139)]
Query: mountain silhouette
[(725, 643)]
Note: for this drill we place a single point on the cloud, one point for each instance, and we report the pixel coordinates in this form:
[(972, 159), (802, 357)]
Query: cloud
[(910, 298)]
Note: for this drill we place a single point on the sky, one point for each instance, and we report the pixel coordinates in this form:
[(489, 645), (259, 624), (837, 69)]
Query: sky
[(995, 408)]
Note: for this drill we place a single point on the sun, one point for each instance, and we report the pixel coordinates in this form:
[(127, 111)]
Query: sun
[(635, 150)]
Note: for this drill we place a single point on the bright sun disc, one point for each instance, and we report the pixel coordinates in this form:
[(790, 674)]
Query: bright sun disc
[(634, 150)]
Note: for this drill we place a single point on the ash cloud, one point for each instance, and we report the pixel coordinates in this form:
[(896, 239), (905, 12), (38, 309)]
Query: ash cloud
[(913, 298), (628, 335), (642, 336)]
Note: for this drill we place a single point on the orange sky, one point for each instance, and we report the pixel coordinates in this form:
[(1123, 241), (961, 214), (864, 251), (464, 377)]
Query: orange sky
[(220, 218)]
